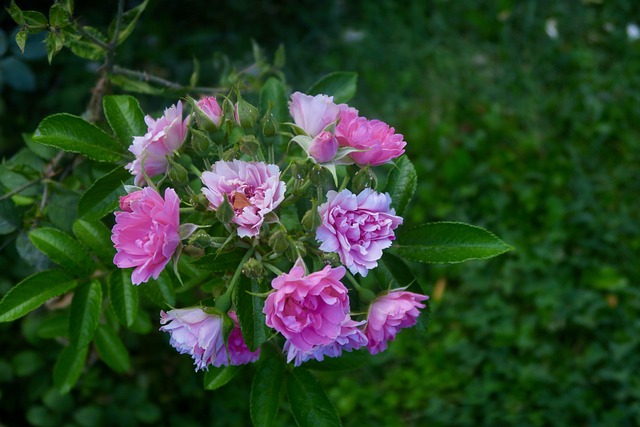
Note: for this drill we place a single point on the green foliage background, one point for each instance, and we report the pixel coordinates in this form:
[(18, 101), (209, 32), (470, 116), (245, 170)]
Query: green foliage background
[(534, 138)]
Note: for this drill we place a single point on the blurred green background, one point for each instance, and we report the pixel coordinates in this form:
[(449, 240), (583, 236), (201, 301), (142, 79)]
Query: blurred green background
[(521, 116)]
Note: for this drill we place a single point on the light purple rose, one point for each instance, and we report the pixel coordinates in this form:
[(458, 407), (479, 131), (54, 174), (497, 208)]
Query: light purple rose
[(253, 189), (308, 310), (388, 314), (313, 113), (358, 227), (164, 136), (210, 107), (350, 338), (239, 353), (379, 142), (198, 334), (324, 147), (146, 232)]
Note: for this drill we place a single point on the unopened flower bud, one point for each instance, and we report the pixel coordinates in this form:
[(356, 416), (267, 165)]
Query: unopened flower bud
[(201, 239), (253, 269), (208, 113), (311, 219), (296, 250), (324, 147), (364, 178), (224, 213), (319, 176), (245, 114), (249, 145), (268, 123), (200, 202), (279, 242), (200, 142), (177, 173)]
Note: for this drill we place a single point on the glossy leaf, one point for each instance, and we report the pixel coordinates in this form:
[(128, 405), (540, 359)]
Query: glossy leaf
[(86, 49), (68, 367), (125, 117), (123, 297), (401, 185), (111, 349), (97, 237), (103, 196), (128, 22), (309, 403), (34, 291), (249, 310), (447, 242), (217, 377), (63, 249), (74, 134), (392, 272), (85, 313), (340, 84), (266, 390)]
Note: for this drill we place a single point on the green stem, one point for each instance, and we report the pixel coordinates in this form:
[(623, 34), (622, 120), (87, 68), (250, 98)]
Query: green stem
[(236, 276), (272, 268)]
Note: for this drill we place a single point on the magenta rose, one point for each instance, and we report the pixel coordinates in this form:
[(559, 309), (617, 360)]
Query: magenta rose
[(198, 334), (323, 147), (211, 109), (350, 338), (239, 353), (146, 232), (379, 142), (308, 310), (388, 314), (253, 189), (164, 136), (358, 227), (313, 113)]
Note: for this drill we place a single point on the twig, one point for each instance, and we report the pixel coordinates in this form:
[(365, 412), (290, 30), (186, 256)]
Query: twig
[(144, 76)]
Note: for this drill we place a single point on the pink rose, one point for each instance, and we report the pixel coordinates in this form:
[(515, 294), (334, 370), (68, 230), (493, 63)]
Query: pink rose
[(196, 333), (239, 353), (164, 136), (253, 189), (210, 107), (146, 232), (358, 227), (308, 310), (313, 113), (388, 314), (323, 147), (378, 141), (350, 338)]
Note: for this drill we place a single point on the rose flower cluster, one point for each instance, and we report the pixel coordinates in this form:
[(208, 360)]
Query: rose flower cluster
[(238, 185)]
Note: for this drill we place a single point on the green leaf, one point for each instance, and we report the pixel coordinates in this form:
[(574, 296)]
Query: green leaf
[(63, 249), (58, 15), (447, 242), (349, 361), (34, 291), (86, 49), (74, 134), (401, 185), (340, 84), (309, 403), (55, 326), (54, 43), (217, 377), (128, 22), (220, 262), (135, 86), (9, 217), (68, 367), (42, 151), (125, 117), (249, 310), (85, 313), (97, 237), (16, 13), (392, 272), (111, 349), (266, 390), (123, 297), (103, 197), (273, 93), (35, 21), (160, 291), (21, 39)]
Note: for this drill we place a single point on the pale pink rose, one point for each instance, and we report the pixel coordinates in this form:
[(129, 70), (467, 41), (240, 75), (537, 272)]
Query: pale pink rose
[(350, 338), (164, 136), (379, 142), (388, 314), (253, 189), (358, 227), (211, 109), (146, 232), (198, 334), (239, 353), (313, 113), (308, 310), (324, 147)]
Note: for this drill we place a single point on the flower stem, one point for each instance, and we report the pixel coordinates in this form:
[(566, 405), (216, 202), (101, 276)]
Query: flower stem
[(236, 276)]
